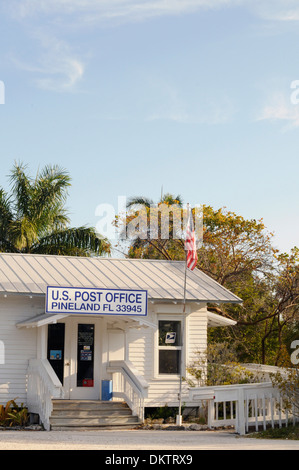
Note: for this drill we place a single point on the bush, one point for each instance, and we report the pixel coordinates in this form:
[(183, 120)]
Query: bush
[(290, 433), (217, 366), (287, 381), (13, 415), (162, 412)]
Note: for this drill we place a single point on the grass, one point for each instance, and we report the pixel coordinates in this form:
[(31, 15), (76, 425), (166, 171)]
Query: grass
[(290, 433)]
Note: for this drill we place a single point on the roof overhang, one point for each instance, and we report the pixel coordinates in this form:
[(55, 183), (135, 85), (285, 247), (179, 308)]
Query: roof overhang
[(215, 320), (40, 320), (50, 318)]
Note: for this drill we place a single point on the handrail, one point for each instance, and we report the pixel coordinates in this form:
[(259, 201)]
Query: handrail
[(138, 380), (129, 385), (43, 385), (54, 380)]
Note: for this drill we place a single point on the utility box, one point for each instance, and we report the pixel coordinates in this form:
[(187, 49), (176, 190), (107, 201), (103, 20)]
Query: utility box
[(106, 390)]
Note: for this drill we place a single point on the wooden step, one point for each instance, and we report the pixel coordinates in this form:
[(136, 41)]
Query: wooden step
[(89, 405), (91, 414), (91, 422)]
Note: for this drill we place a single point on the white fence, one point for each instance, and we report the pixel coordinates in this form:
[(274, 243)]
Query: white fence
[(246, 407)]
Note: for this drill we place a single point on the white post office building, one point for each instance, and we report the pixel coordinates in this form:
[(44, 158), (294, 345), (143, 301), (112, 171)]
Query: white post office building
[(87, 342)]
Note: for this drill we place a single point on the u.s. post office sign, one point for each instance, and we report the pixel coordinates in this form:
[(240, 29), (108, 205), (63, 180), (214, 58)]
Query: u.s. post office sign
[(93, 301)]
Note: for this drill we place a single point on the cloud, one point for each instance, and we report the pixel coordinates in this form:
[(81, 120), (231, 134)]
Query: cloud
[(63, 74), (62, 69), (87, 12), (277, 10), (57, 69), (99, 10), (280, 109)]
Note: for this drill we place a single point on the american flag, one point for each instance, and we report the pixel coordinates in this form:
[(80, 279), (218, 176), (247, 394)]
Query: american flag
[(190, 243)]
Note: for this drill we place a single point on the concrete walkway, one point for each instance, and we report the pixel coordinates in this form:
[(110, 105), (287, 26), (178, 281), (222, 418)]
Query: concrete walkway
[(137, 440)]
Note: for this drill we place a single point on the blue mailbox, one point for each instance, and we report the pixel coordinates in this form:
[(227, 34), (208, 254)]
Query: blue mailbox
[(106, 390)]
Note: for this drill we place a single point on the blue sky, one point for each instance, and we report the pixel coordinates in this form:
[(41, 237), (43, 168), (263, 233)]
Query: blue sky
[(130, 96)]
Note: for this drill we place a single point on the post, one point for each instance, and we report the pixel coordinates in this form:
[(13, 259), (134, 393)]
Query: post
[(211, 412), (241, 412), (179, 418)]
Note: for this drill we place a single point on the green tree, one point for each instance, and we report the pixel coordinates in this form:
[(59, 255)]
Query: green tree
[(268, 318), (33, 217), (155, 233), (239, 254), (287, 381), (217, 366)]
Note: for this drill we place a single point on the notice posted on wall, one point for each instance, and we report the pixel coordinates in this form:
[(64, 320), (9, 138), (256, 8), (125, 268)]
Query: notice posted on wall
[(93, 301)]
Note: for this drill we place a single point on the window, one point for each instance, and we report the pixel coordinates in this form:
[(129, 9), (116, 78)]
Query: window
[(169, 347), (85, 355), (55, 354)]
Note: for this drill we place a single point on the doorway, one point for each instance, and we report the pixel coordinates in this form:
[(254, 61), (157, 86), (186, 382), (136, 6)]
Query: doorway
[(74, 353)]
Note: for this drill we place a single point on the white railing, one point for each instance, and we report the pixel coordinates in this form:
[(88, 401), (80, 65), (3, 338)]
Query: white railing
[(42, 386), (129, 385), (243, 406)]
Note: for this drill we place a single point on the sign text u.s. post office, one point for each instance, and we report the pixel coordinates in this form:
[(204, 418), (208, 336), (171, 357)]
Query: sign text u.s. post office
[(93, 301)]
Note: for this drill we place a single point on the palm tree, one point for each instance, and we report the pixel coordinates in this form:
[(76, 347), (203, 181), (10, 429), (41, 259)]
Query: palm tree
[(144, 201), (33, 218), (149, 245)]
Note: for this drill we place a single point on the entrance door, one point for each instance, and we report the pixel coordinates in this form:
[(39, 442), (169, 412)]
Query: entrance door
[(55, 353), (74, 353), (85, 355)]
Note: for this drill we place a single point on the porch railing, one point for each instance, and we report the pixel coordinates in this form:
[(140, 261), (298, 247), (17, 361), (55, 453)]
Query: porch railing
[(42, 386), (243, 406), (129, 385)]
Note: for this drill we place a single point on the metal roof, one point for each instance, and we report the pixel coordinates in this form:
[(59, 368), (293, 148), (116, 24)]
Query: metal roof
[(164, 280)]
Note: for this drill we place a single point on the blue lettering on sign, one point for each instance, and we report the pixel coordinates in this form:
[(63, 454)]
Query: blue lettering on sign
[(117, 297), (103, 301)]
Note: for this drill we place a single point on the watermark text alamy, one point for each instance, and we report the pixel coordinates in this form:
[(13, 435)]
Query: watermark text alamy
[(162, 220)]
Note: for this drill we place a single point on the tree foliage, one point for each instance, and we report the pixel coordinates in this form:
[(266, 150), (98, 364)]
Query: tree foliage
[(217, 366), (239, 254), (152, 228), (33, 217), (287, 381)]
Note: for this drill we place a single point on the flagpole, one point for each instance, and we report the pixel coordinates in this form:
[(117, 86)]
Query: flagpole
[(179, 417), (185, 279)]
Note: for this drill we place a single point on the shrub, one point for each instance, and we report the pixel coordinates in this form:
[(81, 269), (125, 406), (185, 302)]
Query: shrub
[(13, 415), (217, 366), (4, 412)]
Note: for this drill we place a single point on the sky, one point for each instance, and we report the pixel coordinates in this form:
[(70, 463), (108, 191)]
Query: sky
[(192, 97)]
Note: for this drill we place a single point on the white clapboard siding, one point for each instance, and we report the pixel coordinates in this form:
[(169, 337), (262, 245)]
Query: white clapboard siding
[(19, 345), (140, 350), (165, 392), (196, 334), (142, 354)]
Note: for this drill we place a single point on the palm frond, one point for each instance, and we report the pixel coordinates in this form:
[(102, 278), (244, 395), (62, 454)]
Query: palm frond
[(79, 241), (6, 214), (6, 218), (23, 234), (170, 199), (139, 200), (50, 190), (34, 218), (21, 189)]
